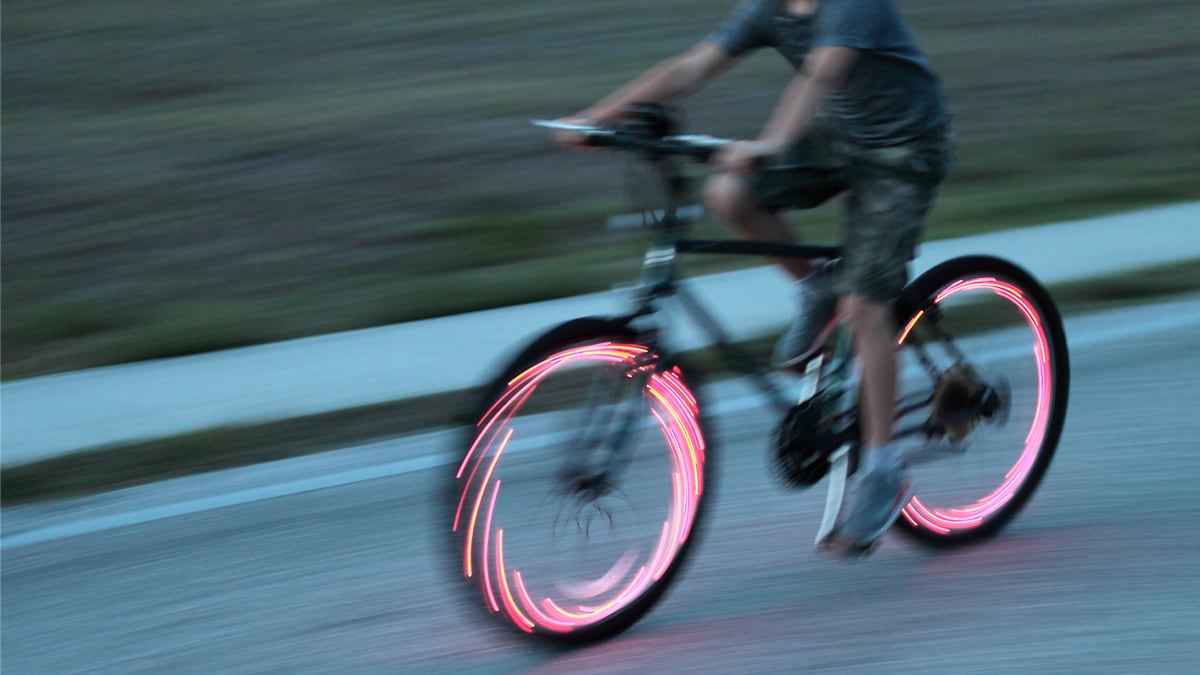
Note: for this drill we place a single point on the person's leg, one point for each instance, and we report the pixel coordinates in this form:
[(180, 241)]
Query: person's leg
[(890, 196), (891, 193), (874, 334), (733, 199), (808, 176), (880, 487)]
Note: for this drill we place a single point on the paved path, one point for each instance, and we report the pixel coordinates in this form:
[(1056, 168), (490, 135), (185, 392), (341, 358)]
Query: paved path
[(200, 575), (49, 416)]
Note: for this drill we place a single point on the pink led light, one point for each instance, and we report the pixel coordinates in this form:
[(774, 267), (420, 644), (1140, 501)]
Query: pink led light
[(908, 328), (487, 529), (682, 488), (510, 605), (660, 560), (471, 479), (515, 396), (634, 589), (512, 401), (552, 607), (479, 501), (584, 590), (542, 619), (947, 520), (535, 373), (592, 614), (666, 388), (675, 410), (678, 454), (677, 506), (682, 507)]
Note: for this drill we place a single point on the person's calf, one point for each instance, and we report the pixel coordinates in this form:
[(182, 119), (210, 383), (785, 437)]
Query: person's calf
[(872, 326)]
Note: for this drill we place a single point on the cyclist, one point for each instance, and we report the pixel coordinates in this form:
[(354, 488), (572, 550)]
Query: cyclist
[(864, 116)]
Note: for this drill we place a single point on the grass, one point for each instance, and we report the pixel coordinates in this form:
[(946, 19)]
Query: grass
[(132, 464), (184, 178)]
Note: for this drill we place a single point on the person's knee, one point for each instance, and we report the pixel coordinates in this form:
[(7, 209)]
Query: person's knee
[(728, 197)]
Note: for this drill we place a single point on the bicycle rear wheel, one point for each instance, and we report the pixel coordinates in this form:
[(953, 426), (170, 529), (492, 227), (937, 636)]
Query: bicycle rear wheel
[(985, 358), (582, 484)]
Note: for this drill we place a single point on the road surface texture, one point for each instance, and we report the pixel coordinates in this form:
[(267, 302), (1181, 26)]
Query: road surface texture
[(328, 564)]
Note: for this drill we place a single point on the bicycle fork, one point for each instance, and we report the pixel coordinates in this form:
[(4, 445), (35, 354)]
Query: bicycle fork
[(613, 411)]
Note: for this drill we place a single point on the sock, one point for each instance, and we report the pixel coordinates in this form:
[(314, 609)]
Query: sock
[(875, 456)]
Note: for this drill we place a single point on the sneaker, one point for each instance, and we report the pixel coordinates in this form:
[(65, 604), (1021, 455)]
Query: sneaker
[(813, 323), (871, 505)]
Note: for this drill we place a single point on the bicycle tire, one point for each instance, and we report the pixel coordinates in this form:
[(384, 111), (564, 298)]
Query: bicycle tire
[(976, 289), (538, 602)]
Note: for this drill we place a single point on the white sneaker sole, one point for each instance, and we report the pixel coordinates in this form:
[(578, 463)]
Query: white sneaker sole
[(837, 546)]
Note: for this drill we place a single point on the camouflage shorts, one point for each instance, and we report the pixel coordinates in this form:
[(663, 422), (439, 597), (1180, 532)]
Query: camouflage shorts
[(888, 193)]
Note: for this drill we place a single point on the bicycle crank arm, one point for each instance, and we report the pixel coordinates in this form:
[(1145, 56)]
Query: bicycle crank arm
[(839, 469)]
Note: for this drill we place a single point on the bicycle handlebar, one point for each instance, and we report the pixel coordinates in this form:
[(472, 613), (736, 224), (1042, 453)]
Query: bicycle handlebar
[(692, 146)]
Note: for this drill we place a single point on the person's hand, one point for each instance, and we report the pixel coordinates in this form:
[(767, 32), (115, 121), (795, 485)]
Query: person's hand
[(576, 140), (746, 156)]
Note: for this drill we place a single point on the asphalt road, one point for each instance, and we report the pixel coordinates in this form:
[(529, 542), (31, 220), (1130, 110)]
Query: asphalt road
[(326, 565)]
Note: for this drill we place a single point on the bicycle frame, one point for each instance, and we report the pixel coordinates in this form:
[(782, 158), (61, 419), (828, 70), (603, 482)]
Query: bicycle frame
[(612, 411), (834, 372), (831, 374), (658, 279)]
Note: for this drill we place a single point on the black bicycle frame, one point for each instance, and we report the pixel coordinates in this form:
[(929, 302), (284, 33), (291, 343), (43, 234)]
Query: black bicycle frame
[(659, 280)]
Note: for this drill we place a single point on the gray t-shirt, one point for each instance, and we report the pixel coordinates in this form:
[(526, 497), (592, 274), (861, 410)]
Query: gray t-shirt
[(890, 97)]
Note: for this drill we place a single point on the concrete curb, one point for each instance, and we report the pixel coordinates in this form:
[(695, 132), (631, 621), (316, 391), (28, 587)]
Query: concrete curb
[(50, 416)]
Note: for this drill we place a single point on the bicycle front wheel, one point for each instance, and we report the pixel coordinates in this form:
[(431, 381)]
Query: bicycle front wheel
[(582, 484), (984, 355)]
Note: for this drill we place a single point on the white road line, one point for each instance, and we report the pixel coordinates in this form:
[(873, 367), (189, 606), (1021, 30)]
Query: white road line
[(147, 515), (1185, 315)]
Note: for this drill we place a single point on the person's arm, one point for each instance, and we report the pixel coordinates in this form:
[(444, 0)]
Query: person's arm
[(825, 71), (668, 82)]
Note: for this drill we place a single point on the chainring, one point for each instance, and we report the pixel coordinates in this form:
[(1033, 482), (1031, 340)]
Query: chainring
[(804, 441)]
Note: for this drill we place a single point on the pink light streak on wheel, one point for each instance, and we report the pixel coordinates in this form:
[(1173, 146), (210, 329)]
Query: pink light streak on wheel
[(676, 414), (519, 390), (947, 520), (510, 605), (586, 590)]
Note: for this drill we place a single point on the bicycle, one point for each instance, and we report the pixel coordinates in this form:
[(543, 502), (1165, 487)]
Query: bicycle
[(599, 407)]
